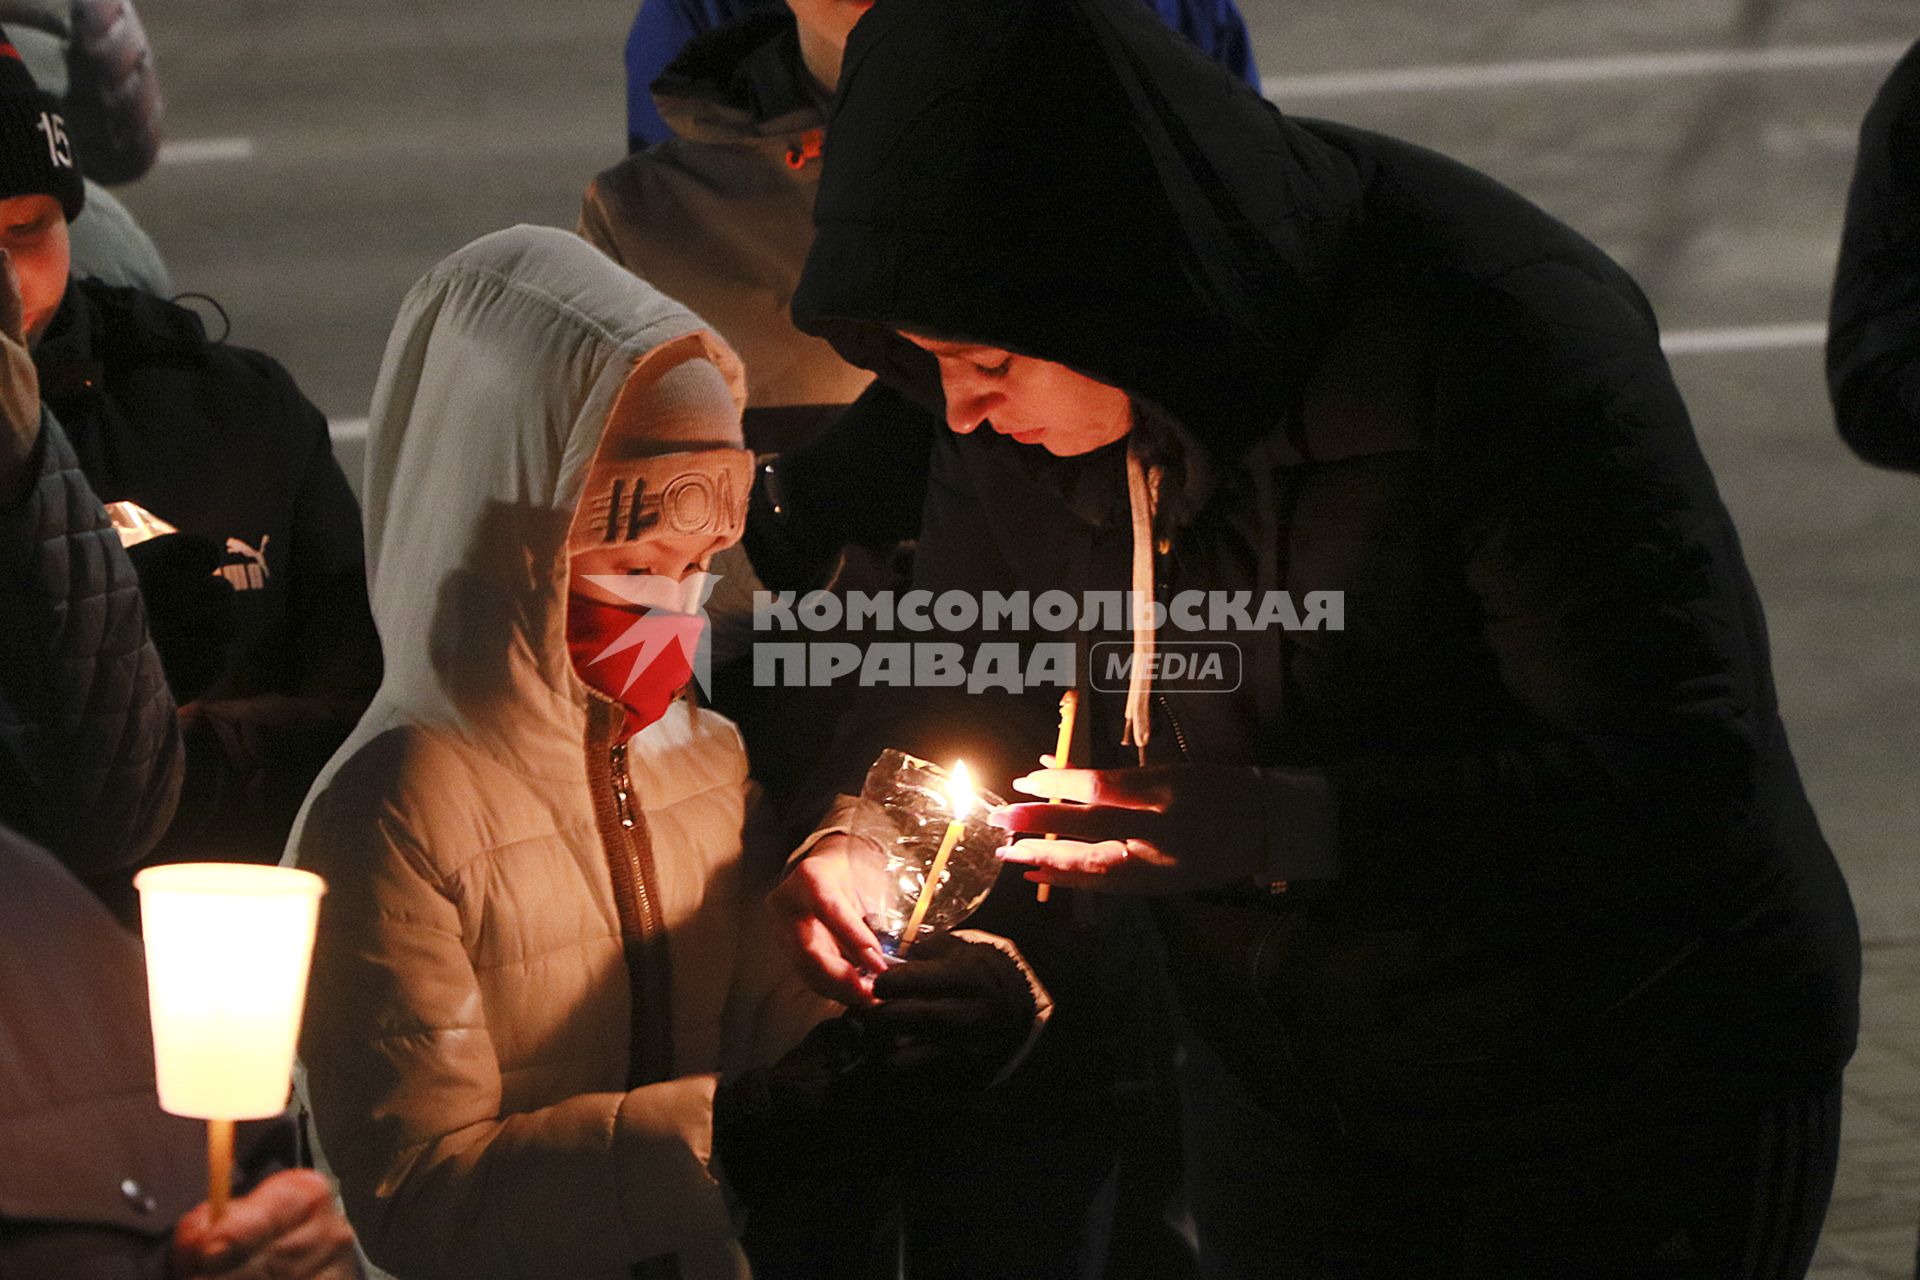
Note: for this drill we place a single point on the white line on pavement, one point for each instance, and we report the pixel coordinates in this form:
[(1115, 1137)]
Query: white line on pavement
[(1765, 337), (205, 150), (1561, 71)]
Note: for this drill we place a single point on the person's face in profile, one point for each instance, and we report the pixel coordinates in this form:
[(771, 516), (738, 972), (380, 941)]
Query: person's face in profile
[(1033, 401), (33, 231)]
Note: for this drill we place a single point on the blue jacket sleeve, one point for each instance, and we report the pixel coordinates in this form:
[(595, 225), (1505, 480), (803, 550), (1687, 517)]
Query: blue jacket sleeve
[(660, 29)]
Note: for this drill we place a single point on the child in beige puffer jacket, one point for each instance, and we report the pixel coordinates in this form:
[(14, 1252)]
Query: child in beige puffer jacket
[(543, 1005)]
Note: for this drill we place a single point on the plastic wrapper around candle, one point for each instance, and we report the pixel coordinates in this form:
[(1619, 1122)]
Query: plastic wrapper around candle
[(898, 827)]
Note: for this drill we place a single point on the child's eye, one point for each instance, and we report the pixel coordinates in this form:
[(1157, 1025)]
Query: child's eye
[(995, 371)]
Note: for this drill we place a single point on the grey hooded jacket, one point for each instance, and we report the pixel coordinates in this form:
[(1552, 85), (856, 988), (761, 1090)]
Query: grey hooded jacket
[(720, 215)]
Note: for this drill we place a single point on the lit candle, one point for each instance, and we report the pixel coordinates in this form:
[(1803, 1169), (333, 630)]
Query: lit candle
[(228, 948), (1062, 754), (960, 796)]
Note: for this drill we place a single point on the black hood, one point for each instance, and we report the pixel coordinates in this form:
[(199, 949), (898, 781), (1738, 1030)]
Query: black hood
[(1070, 180)]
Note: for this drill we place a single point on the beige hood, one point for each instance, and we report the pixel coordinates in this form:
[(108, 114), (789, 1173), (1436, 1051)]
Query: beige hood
[(516, 348), (478, 1034)]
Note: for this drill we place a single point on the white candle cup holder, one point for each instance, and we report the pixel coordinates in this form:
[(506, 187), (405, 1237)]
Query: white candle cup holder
[(228, 949), (904, 811)]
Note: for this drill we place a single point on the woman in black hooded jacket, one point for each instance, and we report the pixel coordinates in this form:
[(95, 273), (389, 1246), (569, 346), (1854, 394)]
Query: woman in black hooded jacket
[(1505, 939)]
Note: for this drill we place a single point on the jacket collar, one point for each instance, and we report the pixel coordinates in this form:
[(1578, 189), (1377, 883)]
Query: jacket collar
[(98, 321), (64, 356), (69, 334)]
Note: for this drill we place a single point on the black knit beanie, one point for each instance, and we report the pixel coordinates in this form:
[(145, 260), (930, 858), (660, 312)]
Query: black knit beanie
[(35, 156)]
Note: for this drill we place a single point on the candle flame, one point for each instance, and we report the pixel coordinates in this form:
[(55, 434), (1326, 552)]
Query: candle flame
[(960, 790)]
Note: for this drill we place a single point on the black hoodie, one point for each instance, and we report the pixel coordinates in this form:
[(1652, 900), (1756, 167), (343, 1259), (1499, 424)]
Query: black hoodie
[(218, 441), (1576, 854)]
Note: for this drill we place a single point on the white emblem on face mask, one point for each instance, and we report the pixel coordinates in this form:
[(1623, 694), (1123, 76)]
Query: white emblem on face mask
[(656, 591), (648, 594)]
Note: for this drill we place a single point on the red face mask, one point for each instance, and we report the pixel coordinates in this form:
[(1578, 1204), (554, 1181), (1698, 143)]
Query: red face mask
[(640, 658)]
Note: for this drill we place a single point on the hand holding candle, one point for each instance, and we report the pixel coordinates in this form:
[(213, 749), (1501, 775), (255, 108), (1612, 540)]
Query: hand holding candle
[(228, 947), (1175, 828)]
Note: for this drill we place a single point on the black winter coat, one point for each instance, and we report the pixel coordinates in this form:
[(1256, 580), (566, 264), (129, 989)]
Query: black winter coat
[(1576, 858), (217, 441), (1873, 342), (90, 753)]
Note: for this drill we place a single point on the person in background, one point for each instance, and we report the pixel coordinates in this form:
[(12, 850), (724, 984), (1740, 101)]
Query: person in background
[(90, 751), (92, 56), (96, 1182), (1873, 339), (258, 600), (663, 28), (1504, 938), (718, 214), (1873, 331), (551, 1035)]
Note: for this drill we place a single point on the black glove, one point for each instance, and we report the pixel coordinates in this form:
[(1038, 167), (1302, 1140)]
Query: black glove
[(190, 612), (799, 1119), (965, 1005), (840, 1105)]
